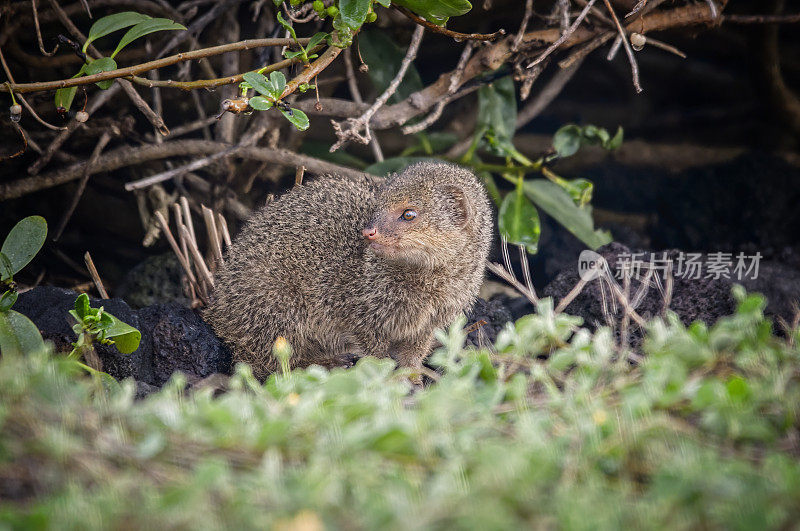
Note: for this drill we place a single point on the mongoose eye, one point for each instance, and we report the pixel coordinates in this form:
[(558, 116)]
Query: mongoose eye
[(408, 214)]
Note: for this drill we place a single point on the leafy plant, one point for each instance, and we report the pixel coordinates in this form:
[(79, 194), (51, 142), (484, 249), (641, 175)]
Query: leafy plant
[(18, 335), (271, 91), (565, 200), (552, 425), (140, 25), (95, 324)]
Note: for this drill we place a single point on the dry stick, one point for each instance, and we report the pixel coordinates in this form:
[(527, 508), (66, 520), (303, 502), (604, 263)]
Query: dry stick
[(355, 124), (669, 283), (8, 86), (524, 26), (205, 274), (63, 136), (617, 291), (627, 45), (194, 289), (171, 239), (501, 272), (298, 175), (526, 270), (356, 95), (638, 7), (98, 149), (626, 318), (128, 155), (213, 236), (223, 225), (762, 19), (186, 128), (39, 31), (569, 297), (187, 216), (175, 172), (95, 276), (455, 79), (444, 31), (564, 36), (713, 7)]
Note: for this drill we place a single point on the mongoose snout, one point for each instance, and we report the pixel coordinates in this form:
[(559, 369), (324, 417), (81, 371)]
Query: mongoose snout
[(354, 267)]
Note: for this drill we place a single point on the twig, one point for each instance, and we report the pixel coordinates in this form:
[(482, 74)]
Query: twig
[(39, 31), (171, 239), (444, 31), (181, 170), (627, 45), (63, 136), (564, 36), (8, 86), (356, 95), (569, 297), (638, 7), (298, 175), (501, 272), (762, 19), (356, 124), (213, 235), (455, 79), (526, 269), (87, 172), (205, 274), (223, 225), (523, 26), (98, 282), (546, 95), (127, 156), (187, 216)]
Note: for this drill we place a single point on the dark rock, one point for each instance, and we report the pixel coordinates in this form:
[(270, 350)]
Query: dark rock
[(48, 307), (703, 299), (156, 280), (182, 341), (494, 313), (144, 389), (174, 338)]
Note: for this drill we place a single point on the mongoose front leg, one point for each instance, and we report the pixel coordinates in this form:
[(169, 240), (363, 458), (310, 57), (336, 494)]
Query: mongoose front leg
[(411, 353)]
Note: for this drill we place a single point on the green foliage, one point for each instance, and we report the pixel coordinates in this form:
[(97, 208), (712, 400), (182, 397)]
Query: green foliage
[(436, 11), (95, 324), (569, 139), (21, 245), (272, 90), (554, 200), (518, 220), (702, 434), (18, 335), (140, 24)]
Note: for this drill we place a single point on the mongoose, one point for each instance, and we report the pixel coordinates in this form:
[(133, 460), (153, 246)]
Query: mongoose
[(344, 268)]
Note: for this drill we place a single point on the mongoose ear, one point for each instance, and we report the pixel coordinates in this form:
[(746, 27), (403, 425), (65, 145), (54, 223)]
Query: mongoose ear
[(456, 204)]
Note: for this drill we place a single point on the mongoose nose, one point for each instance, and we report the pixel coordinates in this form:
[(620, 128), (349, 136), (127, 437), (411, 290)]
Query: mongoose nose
[(370, 233)]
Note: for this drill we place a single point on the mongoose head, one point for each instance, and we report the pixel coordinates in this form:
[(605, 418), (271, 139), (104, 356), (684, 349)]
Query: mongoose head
[(429, 215)]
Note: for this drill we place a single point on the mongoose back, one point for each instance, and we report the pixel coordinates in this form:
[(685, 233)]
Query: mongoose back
[(344, 268)]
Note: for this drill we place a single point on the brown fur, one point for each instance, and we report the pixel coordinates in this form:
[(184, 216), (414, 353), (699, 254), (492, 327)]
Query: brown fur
[(303, 268)]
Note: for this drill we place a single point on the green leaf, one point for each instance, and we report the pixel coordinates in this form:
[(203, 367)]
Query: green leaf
[(616, 141), (18, 335), (551, 198), (258, 82), (7, 300), (287, 26), (260, 103), (23, 242), (126, 338), (297, 117), (354, 12), (278, 82), (145, 28), (112, 23), (316, 39), (497, 116), (384, 57), (82, 306), (384, 3), (567, 140), (436, 11), (6, 270), (518, 221), (104, 64)]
